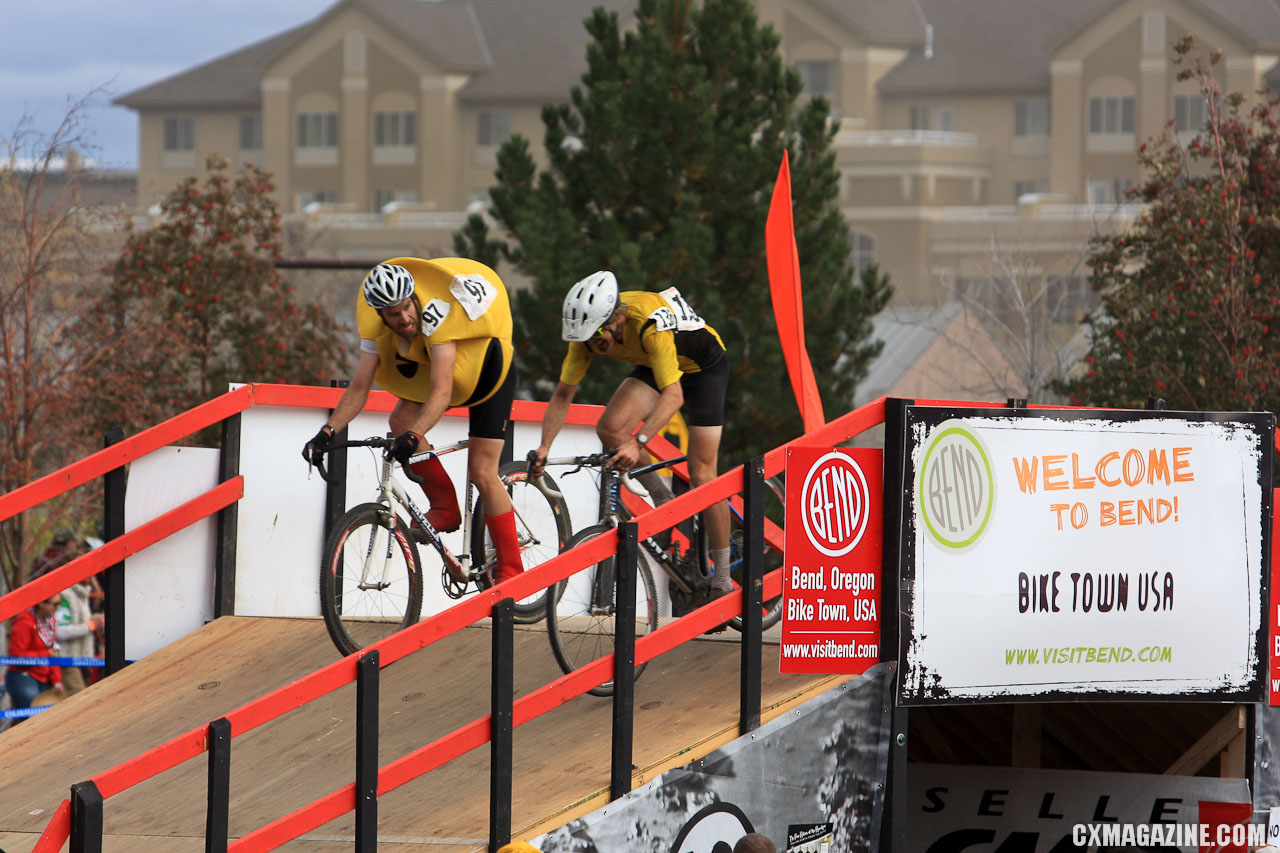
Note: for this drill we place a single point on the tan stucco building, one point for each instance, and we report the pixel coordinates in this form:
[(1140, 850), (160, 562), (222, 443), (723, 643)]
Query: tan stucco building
[(968, 131)]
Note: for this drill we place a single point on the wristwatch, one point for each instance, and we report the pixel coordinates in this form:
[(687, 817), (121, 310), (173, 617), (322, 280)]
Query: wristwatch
[(642, 439)]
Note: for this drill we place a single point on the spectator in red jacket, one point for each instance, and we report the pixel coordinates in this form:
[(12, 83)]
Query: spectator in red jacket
[(33, 634)]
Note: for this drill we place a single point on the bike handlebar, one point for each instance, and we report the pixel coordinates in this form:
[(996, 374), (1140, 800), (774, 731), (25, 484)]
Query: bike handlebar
[(383, 444), (601, 460)]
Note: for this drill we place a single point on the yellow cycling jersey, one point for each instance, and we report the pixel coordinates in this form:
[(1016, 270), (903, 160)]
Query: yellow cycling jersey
[(462, 301), (661, 332)]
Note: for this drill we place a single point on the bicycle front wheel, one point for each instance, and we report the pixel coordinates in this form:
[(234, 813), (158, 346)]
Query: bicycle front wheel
[(542, 527), (371, 579), (580, 615), (775, 498)]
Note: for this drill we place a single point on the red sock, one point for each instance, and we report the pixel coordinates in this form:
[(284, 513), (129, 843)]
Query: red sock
[(444, 514), (502, 529)]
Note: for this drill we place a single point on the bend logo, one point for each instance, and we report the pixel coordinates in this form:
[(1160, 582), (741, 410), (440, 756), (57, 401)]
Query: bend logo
[(835, 504), (956, 490)]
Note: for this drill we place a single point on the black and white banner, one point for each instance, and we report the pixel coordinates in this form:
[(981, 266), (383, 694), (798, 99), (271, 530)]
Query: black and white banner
[(809, 780)]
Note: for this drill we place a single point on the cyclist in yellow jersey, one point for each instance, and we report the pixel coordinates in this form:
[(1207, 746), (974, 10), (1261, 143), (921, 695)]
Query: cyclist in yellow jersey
[(680, 363), (437, 333)]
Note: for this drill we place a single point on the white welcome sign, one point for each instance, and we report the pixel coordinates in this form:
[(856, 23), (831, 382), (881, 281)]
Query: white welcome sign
[(1068, 552)]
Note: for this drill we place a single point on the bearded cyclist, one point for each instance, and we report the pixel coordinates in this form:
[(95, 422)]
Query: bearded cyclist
[(437, 333), (680, 363)]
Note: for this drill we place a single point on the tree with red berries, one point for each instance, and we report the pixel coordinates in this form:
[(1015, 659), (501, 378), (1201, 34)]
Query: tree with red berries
[(1190, 294), (203, 285)]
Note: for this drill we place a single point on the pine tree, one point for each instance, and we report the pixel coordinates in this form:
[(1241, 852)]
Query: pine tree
[(1190, 294), (661, 168)]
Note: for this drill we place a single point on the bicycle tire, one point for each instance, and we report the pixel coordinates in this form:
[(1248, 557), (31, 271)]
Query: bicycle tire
[(542, 524), (579, 637), (357, 617), (771, 611)]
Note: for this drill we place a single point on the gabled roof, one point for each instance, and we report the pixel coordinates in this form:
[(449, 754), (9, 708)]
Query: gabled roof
[(1007, 45), (1256, 23), (233, 80), (539, 47), (900, 22), (986, 45), (907, 332), (446, 31)]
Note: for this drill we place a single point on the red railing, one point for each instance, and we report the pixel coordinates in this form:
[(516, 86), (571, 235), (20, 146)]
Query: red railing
[(342, 672)]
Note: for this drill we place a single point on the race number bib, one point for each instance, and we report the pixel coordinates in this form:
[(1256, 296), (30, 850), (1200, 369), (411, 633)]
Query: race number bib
[(433, 314), (474, 293), (678, 316)]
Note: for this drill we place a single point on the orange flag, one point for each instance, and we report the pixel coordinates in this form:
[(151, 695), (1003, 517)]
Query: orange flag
[(788, 306)]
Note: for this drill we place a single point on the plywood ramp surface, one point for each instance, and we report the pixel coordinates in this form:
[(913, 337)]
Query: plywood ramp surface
[(686, 705)]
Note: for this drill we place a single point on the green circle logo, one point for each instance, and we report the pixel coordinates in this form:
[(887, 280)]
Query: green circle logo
[(956, 490)]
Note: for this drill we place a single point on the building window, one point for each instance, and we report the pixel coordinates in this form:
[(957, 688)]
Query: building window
[(1108, 191), (492, 128), (179, 133), (1112, 114), (946, 119), (1031, 117), (306, 197), (819, 76), (919, 118), (384, 197), (395, 129), (251, 133), (1032, 187), (1189, 113), (862, 250), (317, 130)]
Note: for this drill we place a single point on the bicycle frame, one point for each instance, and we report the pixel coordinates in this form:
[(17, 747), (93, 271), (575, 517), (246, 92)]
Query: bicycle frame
[(612, 512), (392, 493)]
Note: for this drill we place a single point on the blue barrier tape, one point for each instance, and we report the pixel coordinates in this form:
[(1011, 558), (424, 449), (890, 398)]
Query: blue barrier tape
[(9, 660), (22, 712)]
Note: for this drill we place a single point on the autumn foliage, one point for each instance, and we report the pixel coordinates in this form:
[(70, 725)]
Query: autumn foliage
[(202, 286), (1190, 294)]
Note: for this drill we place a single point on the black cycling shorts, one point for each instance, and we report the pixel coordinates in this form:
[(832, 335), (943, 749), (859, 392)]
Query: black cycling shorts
[(490, 418), (703, 392)]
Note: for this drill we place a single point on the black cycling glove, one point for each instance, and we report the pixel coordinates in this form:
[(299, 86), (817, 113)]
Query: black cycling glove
[(315, 449), (406, 444)]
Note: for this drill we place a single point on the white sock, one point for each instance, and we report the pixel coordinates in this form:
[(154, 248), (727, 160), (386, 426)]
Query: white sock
[(721, 581)]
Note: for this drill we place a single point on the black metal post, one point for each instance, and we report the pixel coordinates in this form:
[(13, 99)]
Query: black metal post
[(752, 595), (624, 661), (1156, 404), (335, 496), (217, 814), (893, 824), (367, 677), (86, 818), (113, 489), (501, 740), (224, 567)]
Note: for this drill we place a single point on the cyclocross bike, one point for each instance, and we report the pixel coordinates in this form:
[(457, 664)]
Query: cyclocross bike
[(371, 573), (580, 612)]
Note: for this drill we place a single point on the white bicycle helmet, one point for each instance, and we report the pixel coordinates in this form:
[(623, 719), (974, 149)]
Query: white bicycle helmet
[(387, 284), (589, 305)]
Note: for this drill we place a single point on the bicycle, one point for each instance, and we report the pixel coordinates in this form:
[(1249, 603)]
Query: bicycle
[(580, 613), (371, 574)]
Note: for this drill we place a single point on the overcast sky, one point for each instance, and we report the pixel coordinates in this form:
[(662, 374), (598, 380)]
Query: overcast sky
[(53, 51)]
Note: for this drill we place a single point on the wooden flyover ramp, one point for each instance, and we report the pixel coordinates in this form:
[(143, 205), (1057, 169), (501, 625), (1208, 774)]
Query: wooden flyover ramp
[(686, 705)]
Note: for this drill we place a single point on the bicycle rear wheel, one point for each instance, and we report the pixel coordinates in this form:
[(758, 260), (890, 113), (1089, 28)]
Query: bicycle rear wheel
[(542, 526), (580, 631), (371, 579), (774, 500)]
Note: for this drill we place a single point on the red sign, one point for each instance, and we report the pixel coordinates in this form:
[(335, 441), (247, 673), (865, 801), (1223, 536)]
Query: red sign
[(1273, 611), (831, 568)]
